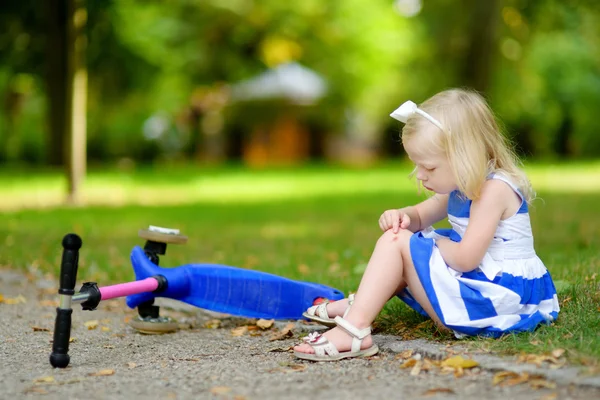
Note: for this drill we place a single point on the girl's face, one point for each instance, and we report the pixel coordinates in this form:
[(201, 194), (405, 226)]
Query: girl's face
[(431, 169)]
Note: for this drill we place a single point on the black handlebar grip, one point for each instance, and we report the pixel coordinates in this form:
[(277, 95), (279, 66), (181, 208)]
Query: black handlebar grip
[(60, 346), (68, 267), (62, 326)]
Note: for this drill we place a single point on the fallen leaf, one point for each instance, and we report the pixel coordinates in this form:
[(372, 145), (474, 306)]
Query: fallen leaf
[(289, 368), (542, 383), (558, 353), (103, 372), (220, 390), (40, 329), (405, 354), (93, 324), (549, 396), (459, 362), (434, 391), (502, 376), (409, 363), (296, 367), (105, 329), (45, 379), (36, 389), (72, 339), (280, 349), (265, 323), (1, 298), (239, 331), (131, 365), (15, 300), (284, 333), (212, 324)]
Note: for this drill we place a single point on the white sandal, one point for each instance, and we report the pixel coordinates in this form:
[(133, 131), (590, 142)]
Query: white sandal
[(319, 313), (326, 351)]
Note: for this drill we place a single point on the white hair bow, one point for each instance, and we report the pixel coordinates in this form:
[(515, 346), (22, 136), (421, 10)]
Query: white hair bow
[(407, 109)]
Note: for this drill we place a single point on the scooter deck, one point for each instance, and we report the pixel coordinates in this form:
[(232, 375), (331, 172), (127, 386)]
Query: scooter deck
[(231, 290)]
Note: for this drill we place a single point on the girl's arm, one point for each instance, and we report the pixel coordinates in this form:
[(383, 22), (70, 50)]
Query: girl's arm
[(432, 210), (485, 215), (427, 212), (417, 217)]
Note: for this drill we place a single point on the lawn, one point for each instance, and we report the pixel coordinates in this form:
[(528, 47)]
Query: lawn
[(314, 223)]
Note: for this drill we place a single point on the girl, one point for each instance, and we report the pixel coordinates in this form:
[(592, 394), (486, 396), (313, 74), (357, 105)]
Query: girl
[(482, 277)]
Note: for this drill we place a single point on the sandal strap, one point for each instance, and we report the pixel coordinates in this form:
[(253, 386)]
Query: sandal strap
[(357, 334), (350, 302), (322, 347), (319, 311)]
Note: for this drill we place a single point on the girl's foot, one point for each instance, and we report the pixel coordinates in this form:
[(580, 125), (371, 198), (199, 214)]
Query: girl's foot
[(339, 338), (326, 312), (337, 308)]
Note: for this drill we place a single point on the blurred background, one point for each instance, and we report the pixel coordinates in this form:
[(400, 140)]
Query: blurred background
[(273, 82)]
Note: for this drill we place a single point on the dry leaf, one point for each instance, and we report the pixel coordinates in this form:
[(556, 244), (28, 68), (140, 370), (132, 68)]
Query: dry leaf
[(1, 298), (93, 324), (36, 389), (459, 362), (284, 333), (131, 365), (45, 379), (435, 391), (542, 383), (239, 331), (408, 363), (15, 300), (558, 353), (105, 329), (212, 324), (405, 354), (72, 339), (290, 368), (103, 372), (280, 349), (502, 376), (265, 323), (40, 329), (220, 390)]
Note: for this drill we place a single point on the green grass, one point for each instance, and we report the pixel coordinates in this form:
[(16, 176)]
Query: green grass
[(314, 223)]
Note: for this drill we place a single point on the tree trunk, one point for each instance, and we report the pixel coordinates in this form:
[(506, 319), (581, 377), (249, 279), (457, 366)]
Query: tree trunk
[(482, 43), (77, 96)]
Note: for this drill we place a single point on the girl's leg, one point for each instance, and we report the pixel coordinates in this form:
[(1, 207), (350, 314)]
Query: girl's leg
[(389, 270)]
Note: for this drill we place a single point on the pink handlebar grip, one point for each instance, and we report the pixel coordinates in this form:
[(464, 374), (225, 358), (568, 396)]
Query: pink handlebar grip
[(126, 289)]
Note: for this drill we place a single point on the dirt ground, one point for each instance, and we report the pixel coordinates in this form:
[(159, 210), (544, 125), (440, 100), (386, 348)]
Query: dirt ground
[(220, 357)]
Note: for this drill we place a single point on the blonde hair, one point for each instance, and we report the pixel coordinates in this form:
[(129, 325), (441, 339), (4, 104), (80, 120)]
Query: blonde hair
[(471, 140)]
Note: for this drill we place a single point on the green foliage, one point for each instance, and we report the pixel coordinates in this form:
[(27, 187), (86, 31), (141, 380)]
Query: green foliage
[(153, 58)]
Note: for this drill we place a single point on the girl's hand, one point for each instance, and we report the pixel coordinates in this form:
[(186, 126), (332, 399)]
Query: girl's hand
[(395, 220)]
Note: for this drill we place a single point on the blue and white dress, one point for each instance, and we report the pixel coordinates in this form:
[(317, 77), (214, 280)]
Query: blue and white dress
[(510, 291)]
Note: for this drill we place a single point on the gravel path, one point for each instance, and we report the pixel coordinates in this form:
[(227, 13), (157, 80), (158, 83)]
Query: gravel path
[(111, 360)]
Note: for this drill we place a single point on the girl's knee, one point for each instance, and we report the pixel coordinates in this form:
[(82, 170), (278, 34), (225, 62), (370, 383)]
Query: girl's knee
[(401, 238)]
